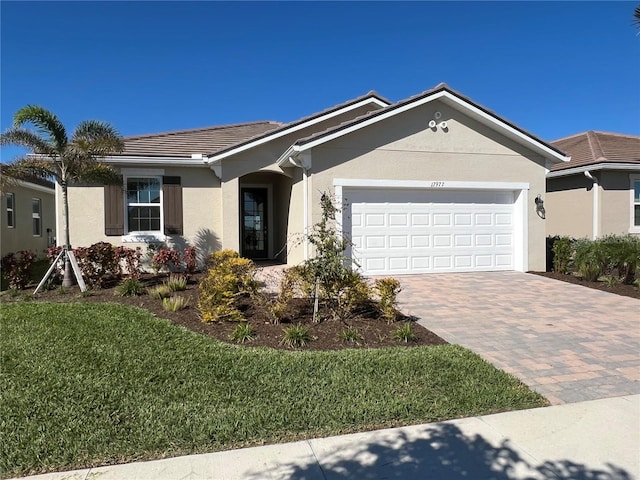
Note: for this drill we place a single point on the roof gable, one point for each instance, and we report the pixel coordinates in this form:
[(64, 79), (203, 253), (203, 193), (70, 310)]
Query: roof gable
[(451, 98), (591, 148), (371, 98)]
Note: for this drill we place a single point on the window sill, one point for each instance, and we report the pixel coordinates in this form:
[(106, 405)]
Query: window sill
[(635, 230), (144, 237)]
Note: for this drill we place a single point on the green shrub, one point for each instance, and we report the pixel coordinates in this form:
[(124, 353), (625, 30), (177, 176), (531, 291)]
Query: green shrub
[(562, 252), (622, 253), (296, 336), (590, 259), (229, 276), (159, 291), (405, 333), (611, 281), (242, 333), (175, 303), (176, 282), (351, 335), (387, 290), (131, 287)]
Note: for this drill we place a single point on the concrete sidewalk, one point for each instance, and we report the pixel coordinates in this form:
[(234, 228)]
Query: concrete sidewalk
[(579, 441)]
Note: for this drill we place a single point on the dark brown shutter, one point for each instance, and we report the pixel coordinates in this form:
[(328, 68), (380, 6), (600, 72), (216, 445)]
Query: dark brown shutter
[(172, 205), (113, 210)]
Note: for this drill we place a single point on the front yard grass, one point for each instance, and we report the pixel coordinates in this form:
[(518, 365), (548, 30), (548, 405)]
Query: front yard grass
[(92, 384)]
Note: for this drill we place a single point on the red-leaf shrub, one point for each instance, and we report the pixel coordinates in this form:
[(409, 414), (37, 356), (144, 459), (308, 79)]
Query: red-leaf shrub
[(190, 259), (98, 263), (16, 269), (167, 259)]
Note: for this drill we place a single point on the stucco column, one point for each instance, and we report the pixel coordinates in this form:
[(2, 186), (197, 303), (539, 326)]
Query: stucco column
[(230, 235)]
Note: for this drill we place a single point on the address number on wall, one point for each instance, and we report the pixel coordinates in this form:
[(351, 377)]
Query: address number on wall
[(437, 184)]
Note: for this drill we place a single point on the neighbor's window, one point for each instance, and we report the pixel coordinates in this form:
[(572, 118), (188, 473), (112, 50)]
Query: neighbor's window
[(11, 210), (636, 203), (143, 204), (36, 211)]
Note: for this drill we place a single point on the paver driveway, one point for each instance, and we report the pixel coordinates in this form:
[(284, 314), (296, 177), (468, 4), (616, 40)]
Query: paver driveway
[(568, 342)]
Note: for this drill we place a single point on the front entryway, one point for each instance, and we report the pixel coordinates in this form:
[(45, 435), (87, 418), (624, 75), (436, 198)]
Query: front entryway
[(254, 222)]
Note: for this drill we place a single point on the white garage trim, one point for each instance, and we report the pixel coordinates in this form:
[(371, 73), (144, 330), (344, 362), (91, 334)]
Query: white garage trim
[(520, 191)]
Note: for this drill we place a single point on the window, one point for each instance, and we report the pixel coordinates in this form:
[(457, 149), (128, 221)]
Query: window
[(35, 215), (11, 210), (635, 203), (143, 204)]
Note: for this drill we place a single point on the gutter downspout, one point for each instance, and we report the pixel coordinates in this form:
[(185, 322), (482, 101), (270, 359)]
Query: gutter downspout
[(596, 217), (305, 203)]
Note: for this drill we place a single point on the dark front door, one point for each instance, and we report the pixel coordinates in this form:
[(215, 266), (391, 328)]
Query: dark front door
[(254, 222)]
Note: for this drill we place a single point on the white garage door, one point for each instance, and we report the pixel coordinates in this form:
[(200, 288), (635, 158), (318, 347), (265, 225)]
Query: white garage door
[(396, 231)]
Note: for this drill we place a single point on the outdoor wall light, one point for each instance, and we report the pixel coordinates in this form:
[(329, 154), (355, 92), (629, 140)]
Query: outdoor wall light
[(540, 206)]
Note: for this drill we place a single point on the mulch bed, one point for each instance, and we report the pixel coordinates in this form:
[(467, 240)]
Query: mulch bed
[(375, 331), (619, 289)]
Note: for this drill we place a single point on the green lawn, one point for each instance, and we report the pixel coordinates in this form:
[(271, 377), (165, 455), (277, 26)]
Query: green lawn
[(90, 384)]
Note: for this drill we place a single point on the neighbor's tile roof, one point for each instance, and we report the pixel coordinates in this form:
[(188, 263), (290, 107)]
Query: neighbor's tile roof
[(589, 148), (183, 143)]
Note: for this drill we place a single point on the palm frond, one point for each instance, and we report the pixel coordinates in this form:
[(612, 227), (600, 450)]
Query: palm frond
[(636, 16), (45, 122), (28, 168), (97, 138), (101, 174), (27, 139)]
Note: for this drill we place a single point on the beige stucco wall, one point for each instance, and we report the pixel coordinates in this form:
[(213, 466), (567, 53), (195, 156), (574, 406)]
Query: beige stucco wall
[(615, 208), (21, 237), (569, 206), (404, 148), (202, 212)]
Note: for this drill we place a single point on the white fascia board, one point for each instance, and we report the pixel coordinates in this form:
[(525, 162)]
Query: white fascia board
[(521, 137), (287, 131), (592, 167), (289, 152), (549, 153), (166, 161), (429, 184)]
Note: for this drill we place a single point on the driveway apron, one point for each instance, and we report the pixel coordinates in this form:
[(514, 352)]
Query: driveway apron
[(569, 343)]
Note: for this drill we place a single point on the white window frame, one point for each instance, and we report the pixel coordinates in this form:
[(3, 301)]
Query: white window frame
[(147, 235), (11, 195), (36, 216), (633, 179)]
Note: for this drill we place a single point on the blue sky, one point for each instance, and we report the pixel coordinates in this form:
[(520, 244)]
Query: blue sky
[(553, 68)]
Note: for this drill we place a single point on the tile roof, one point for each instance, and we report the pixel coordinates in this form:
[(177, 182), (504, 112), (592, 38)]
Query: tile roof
[(589, 148), (371, 94), (217, 139), (183, 143)]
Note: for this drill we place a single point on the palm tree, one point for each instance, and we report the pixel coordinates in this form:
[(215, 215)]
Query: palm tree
[(636, 16), (55, 156)]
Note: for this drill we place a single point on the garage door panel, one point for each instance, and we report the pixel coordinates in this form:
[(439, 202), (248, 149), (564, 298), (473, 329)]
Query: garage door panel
[(431, 231)]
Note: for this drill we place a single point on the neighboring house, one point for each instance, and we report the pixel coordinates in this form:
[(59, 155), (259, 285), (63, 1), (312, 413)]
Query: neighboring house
[(28, 217), (434, 183), (598, 191)]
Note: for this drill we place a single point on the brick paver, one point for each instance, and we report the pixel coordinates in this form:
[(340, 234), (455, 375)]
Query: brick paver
[(568, 342)]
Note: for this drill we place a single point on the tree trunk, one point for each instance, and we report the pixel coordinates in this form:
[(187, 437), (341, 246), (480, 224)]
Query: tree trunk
[(67, 280)]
